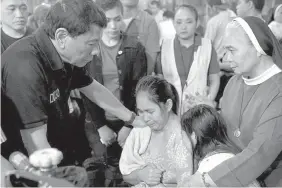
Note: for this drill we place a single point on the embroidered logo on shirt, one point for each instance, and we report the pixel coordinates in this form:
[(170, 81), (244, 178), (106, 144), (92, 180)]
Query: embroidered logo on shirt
[(54, 96)]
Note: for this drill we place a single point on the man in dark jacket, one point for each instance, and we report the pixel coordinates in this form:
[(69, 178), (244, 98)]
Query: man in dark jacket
[(119, 65)]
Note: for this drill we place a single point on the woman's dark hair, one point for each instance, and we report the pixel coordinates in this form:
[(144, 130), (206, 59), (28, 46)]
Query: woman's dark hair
[(76, 16), (159, 90), (210, 130)]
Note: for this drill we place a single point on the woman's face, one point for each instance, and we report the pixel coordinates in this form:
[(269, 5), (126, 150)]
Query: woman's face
[(155, 116), (185, 23), (240, 53)]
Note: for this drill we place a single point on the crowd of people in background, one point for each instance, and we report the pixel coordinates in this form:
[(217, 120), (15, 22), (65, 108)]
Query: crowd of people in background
[(106, 93)]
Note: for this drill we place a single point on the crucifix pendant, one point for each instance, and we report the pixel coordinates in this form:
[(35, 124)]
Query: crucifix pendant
[(237, 133)]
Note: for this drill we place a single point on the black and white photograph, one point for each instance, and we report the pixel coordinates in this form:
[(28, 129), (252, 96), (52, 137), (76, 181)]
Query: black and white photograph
[(141, 93)]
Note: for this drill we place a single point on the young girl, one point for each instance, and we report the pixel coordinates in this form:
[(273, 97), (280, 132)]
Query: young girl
[(207, 131)]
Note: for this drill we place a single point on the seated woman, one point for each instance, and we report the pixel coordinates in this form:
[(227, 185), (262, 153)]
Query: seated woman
[(207, 131), (251, 107), (156, 154)]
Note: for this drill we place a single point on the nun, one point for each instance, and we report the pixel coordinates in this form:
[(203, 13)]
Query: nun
[(252, 108)]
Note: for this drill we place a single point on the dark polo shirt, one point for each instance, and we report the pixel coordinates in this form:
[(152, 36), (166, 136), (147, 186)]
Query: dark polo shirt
[(37, 83), (145, 28)]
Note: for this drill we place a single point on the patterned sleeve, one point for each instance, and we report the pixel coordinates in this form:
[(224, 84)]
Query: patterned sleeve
[(183, 156), (185, 172)]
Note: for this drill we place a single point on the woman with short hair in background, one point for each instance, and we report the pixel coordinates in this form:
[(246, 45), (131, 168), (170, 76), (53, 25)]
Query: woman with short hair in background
[(189, 62)]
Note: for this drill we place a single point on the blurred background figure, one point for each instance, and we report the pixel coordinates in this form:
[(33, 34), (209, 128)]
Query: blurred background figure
[(220, 15), (171, 5), (144, 4), (38, 16), (14, 15), (156, 10), (269, 9), (148, 11), (142, 25), (166, 27), (276, 24), (48, 3), (231, 3), (250, 8)]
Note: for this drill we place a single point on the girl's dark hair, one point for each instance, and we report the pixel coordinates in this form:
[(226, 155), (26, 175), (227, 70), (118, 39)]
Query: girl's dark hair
[(210, 130), (159, 90)]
